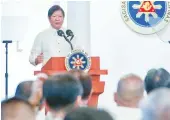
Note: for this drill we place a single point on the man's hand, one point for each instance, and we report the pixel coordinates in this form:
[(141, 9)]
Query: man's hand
[(39, 59)]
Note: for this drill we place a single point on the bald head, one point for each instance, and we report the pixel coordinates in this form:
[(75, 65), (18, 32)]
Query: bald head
[(16, 109), (130, 90)]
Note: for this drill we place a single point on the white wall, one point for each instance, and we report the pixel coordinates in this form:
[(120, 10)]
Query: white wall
[(80, 23), (120, 49)]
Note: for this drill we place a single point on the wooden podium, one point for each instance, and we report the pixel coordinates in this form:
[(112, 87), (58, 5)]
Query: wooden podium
[(57, 64)]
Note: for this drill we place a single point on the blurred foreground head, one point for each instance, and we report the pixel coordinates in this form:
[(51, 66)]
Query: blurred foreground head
[(23, 89), (62, 92), (156, 106), (86, 82), (156, 78), (16, 109)]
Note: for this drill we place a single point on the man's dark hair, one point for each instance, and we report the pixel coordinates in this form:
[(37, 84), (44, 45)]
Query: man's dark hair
[(55, 8), (12, 107), (61, 90), (24, 89), (156, 78), (85, 81), (85, 113)]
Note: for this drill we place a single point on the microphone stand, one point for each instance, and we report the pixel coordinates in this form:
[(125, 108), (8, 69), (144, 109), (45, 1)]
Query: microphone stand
[(6, 73), (69, 41), (71, 37), (61, 33)]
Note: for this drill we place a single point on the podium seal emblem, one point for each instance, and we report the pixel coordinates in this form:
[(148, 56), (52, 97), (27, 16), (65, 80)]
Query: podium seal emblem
[(78, 59)]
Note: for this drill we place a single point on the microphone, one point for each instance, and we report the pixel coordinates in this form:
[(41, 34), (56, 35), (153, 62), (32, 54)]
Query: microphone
[(69, 33), (61, 33)]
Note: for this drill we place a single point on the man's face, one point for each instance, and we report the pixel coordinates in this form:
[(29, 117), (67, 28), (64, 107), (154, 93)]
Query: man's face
[(57, 19)]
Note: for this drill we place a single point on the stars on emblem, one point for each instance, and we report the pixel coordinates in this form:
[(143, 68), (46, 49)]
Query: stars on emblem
[(147, 8), (77, 62)]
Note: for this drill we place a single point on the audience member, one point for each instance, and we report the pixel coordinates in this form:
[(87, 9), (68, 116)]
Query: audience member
[(130, 91), (156, 78), (36, 98), (156, 106), (62, 93), (86, 82), (17, 109)]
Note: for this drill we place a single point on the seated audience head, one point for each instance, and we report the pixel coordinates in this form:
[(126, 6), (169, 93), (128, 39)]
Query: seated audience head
[(156, 106), (17, 109), (62, 93), (130, 91), (23, 90), (85, 113), (156, 78), (86, 82)]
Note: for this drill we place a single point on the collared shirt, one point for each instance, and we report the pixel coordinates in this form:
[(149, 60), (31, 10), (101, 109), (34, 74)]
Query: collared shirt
[(50, 44), (123, 113)]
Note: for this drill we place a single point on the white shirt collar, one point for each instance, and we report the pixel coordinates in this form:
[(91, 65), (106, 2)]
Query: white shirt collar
[(53, 30)]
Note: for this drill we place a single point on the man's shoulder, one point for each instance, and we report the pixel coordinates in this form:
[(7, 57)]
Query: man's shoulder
[(46, 30), (52, 30), (49, 31), (124, 113)]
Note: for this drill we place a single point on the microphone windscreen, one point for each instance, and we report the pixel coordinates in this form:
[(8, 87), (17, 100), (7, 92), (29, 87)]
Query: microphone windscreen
[(60, 33), (69, 32)]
